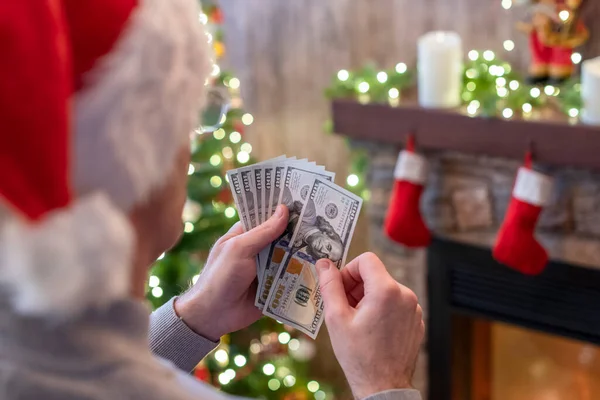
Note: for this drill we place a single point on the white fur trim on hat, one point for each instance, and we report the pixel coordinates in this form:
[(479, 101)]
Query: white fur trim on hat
[(141, 102), (532, 187), (76, 258), (411, 167)]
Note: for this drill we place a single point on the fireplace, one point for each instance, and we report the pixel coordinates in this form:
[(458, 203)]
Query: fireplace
[(495, 334), (473, 300)]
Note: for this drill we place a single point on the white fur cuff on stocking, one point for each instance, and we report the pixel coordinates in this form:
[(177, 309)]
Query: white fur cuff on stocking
[(411, 167), (532, 187)]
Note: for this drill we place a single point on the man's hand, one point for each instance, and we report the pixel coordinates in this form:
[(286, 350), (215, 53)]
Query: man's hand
[(222, 300), (376, 324)]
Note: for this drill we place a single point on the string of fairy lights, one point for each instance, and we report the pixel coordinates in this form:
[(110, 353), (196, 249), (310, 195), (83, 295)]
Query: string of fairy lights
[(491, 88), (233, 365)]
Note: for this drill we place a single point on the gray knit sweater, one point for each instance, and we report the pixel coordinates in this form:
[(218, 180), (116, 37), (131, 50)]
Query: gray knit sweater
[(105, 356)]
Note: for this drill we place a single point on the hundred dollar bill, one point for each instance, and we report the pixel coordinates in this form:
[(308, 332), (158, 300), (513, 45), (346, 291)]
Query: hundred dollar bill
[(264, 285), (268, 172), (243, 208), (272, 195), (249, 199), (258, 174), (275, 188), (296, 185), (279, 252), (244, 178), (249, 195), (324, 230), (238, 197), (276, 180)]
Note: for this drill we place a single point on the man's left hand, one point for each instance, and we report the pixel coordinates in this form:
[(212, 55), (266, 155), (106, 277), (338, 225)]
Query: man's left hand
[(222, 300)]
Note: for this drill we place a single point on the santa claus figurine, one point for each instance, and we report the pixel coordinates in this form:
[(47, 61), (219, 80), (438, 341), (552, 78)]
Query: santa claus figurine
[(554, 31)]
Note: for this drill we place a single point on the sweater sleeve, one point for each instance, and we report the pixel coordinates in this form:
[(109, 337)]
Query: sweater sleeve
[(396, 394), (171, 339)]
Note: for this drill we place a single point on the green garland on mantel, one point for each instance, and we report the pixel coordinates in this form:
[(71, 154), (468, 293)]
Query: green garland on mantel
[(371, 84), (490, 88), (570, 100)]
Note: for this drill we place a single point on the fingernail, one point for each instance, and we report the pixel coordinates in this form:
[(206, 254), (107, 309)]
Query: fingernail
[(278, 212), (322, 265)]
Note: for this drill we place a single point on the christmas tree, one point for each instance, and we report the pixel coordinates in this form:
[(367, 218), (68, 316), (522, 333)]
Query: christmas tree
[(266, 360)]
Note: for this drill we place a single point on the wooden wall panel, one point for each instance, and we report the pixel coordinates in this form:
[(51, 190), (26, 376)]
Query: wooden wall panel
[(591, 16), (286, 52)]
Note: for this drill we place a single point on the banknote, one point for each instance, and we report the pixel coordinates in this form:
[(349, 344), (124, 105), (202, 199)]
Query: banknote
[(249, 195), (275, 188), (324, 229), (248, 192), (296, 185), (268, 185), (258, 174), (274, 184), (260, 182), (238, 197), (242, 184), (243, 187), (278, 253), (246, 177)]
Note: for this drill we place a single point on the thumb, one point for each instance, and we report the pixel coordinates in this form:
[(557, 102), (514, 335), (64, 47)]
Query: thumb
[(253, 241), (332, 290)]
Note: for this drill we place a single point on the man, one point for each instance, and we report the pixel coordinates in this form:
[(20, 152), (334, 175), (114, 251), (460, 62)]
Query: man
[(97, 99)]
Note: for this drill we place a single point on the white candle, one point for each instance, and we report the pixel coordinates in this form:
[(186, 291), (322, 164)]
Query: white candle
[(440, 64), (590, 91)]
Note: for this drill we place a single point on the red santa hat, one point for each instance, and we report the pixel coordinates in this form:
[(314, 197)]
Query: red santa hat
[(96, 98)]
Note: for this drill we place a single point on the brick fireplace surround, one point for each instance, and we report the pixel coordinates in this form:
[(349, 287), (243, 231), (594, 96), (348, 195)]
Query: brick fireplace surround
[(465, 201)]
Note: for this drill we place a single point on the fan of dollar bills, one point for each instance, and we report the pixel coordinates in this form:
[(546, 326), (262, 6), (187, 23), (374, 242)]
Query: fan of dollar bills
[(322, 218)]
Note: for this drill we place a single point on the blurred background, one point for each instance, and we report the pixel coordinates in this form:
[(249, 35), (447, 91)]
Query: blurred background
[(283, 63)]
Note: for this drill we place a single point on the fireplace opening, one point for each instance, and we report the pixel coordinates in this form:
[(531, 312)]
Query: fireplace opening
[(495, 334), (498, 361)]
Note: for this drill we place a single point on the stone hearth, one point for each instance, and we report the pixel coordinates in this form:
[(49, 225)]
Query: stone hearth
[(466, 199)]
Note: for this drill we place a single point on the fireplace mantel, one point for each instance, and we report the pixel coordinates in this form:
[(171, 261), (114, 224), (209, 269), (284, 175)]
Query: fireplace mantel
[(555, 141)]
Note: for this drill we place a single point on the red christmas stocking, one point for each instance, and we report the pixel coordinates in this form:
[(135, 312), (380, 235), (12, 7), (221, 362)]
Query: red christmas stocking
[(516, 246), (404, 223)]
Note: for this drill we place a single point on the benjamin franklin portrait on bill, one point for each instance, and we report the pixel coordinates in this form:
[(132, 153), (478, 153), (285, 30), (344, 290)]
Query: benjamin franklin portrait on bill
[(315, 235)]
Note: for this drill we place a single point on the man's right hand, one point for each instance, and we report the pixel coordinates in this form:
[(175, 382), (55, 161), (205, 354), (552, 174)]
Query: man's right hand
[(375, 324)]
